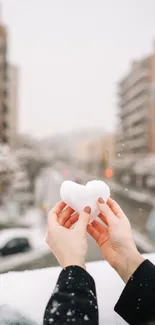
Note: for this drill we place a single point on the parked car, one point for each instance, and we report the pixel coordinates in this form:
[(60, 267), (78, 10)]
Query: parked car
[(14, 241)]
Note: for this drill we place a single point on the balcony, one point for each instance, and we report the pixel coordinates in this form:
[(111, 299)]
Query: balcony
[(134, 77), (140, 90), (139, 130), (137, 90), (136, 117), (139, 143), (133, 105)]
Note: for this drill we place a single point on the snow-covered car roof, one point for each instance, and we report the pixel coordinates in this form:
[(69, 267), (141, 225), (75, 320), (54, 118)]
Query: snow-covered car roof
[(6, 235)]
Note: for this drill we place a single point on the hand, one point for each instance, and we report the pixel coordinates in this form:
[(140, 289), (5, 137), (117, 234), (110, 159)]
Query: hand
[(68, 245), (115, 240)]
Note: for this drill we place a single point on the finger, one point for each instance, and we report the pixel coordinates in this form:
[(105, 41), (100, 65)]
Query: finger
[(84, 219), (52, 220), (116, 209), (53, 214), (103, 218), (98, 227), (58, 207), (72, 220), (93, 232), (104, 235), (65, 215), (107, 212)]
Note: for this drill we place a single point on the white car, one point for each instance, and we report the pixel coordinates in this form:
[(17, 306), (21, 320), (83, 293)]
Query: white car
[(14, 241)]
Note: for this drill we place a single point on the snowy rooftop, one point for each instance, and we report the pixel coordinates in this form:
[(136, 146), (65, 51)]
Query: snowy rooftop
[(28, 292)]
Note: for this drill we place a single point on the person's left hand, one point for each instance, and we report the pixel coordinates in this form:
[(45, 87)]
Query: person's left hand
[(68, 245)]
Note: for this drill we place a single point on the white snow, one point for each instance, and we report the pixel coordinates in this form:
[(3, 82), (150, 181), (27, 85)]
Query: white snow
[(78, 196), (28, 292)]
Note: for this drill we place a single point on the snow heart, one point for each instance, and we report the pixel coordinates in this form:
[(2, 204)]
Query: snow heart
[(79, 196)]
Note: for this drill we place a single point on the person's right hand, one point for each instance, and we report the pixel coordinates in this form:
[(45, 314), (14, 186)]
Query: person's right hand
[(68, 245), (115, 240)]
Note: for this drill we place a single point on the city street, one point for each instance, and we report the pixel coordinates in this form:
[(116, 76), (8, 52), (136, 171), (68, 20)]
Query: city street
[(51, 181)]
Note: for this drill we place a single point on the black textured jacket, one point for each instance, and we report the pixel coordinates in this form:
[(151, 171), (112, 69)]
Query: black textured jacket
[(74, 298)]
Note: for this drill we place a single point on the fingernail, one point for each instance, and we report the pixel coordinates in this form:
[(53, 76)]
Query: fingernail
[(101, 201), (87, 209)]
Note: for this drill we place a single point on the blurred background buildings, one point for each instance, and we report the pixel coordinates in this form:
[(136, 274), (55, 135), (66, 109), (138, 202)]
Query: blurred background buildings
[(135, 144), (32, 170), (8, 93)]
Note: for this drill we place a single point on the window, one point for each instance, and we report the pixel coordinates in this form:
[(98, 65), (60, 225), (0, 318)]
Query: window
[(16, 245), (12, 243), (23, 241), (5, 125), (5, 109), (4, 139), (5, 92)]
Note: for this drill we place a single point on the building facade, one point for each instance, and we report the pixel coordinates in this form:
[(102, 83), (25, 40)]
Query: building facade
[(135, 145), (8, 94), (96, 154), (12, 116), (3, 85), (136, 111)]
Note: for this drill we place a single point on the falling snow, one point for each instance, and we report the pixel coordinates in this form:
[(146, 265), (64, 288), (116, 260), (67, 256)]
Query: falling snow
[(69, 313), (92, 293), (51, 320), (55, 306)]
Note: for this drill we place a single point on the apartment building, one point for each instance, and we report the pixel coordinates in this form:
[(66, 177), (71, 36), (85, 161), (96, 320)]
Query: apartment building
[(12, 116), (136, 109), (3, 85), (8, 94)]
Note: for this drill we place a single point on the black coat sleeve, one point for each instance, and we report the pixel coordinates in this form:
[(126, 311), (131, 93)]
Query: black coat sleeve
[(136, 304), (73, 300)]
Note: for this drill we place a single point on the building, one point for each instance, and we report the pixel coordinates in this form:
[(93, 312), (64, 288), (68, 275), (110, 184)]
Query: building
[(3, 85), (135, 145), (109, 148), (96, 154), (12, 116), (8, 94), (136, 111)]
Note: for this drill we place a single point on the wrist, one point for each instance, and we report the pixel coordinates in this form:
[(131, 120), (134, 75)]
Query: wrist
[(128, 264), (73, 261)]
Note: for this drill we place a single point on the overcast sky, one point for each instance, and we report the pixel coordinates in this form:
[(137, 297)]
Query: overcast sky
[(71, 54)]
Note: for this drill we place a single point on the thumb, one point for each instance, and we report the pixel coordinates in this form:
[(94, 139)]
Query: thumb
[(53, 214), (52, 220), (84, 219)]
